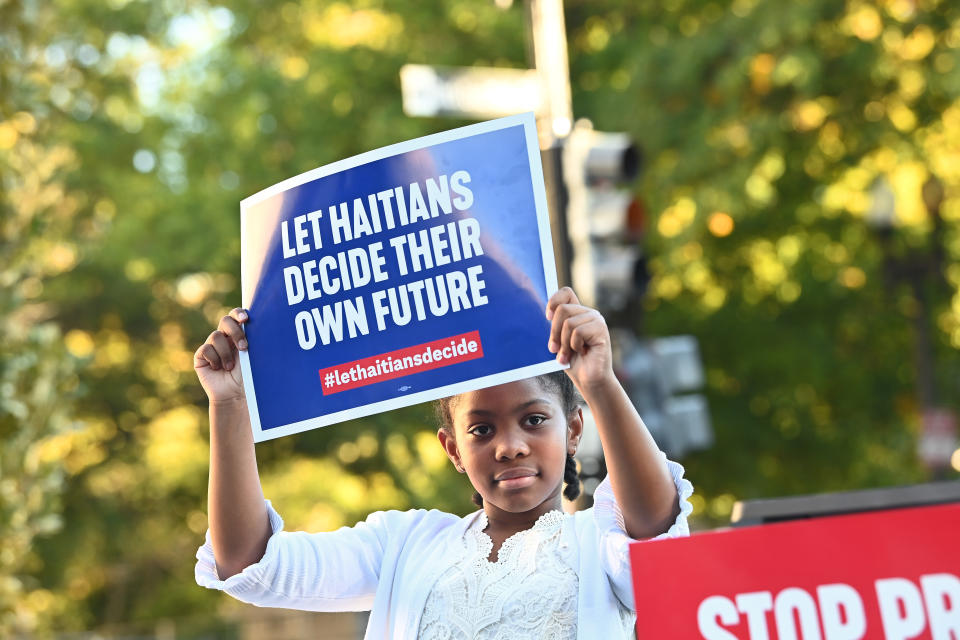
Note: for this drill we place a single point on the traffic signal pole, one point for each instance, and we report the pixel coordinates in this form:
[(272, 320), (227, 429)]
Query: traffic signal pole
[(595, 249), (557, 202), (548, 35), (596, 246)]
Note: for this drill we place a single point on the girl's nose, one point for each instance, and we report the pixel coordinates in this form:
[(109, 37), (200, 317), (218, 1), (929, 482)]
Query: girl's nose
[(511, 445)]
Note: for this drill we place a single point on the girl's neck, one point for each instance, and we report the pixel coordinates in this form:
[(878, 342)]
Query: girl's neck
[(506, 523), (503, 524)]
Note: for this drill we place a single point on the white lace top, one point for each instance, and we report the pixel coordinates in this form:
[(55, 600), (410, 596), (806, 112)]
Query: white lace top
[(390, 563), (529, 592)]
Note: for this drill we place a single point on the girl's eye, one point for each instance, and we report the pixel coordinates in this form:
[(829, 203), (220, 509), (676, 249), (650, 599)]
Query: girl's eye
[(480, 430), (536, 420)]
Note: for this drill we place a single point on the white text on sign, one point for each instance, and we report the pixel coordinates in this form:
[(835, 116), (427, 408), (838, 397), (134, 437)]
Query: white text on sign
[(836, 611), (335, 272)]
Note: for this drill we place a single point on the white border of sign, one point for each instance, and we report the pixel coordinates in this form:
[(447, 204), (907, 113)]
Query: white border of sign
[(546, 251)]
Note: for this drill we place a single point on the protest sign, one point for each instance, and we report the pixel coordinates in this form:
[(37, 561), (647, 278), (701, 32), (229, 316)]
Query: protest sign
[(886, 575), (401, 275)]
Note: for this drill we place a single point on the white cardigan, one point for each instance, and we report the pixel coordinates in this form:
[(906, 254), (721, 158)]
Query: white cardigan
[(388, 563)]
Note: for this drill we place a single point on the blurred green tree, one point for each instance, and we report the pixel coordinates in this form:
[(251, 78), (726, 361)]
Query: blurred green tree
[(42, 231), (765, 125)]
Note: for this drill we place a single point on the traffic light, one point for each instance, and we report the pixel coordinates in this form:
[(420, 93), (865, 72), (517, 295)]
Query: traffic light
[(604, 220), (608, 270), (661, 376)]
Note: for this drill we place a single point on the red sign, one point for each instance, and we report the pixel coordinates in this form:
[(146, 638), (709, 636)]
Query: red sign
[(892, 575)]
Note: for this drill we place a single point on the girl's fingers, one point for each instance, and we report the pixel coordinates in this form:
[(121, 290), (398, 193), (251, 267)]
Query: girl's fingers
[(561, 314), (231, 328), (558, 314), (586, 334), (206, 356), (224, 347), (577, 332), (563, 296), (240, 315), (220, 349)]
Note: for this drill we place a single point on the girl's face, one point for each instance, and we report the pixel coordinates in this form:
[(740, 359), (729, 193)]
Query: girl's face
[(512, 440)]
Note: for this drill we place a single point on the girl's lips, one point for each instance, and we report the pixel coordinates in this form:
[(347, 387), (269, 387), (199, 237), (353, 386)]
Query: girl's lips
[(516, 478), (516, 483)]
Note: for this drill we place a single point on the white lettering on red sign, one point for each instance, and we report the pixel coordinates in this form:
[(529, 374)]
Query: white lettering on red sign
[(841, 611), (837, 612), (902, 606)]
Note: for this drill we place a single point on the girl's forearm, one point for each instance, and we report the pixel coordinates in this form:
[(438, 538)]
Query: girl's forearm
[(638, 474), (239, 526)]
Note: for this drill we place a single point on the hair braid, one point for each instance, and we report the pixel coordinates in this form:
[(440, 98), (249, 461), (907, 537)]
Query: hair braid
[(572, 479)]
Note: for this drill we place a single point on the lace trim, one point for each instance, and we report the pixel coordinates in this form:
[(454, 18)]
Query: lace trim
[(547, 523), (531, 590), (680, 527)]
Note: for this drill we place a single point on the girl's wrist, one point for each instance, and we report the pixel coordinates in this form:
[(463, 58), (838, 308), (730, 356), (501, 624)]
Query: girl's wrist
[(229, 414), (233, 402), (600, 387)]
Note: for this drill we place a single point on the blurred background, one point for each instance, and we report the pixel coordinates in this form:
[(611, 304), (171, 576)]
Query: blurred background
[(796, 211)]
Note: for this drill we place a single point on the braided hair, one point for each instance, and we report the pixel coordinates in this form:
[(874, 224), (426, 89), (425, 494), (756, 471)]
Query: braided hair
[(558, 382)]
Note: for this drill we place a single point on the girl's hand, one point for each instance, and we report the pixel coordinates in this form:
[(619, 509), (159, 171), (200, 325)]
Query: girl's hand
[(216, 361), (579, 336)]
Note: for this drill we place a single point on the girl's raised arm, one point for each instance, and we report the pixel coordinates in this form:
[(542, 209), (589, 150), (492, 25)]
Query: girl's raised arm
[(638, 473), (239, 526)]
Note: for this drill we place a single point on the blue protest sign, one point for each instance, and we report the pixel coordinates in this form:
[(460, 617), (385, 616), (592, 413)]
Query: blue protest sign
[(401, 275)]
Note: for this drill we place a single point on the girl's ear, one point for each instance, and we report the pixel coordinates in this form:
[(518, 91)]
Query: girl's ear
[(574, 430), (449, 445)]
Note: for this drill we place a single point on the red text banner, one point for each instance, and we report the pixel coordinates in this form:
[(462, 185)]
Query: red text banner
[(402, 362), (890, 575)]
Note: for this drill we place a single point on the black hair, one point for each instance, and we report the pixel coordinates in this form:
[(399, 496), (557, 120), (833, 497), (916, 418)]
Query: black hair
[(558, 382)]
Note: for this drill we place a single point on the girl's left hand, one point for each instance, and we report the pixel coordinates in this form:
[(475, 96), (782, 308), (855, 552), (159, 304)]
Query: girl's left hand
[(579, 336)]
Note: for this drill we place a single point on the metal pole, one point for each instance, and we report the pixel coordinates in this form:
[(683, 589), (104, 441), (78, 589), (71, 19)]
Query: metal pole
[(549, 36), (923, 347), (557, 200), (549, 58)]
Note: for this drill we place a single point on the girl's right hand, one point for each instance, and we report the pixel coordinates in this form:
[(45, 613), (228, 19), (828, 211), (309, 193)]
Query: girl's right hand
[(216, 361)]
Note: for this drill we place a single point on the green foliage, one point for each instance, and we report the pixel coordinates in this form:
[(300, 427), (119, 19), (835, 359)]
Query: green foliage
[(130, 130), (765, 125), (40, 236), (37, 383)]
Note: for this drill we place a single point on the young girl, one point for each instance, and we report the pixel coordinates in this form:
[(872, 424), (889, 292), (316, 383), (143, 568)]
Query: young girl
[(518, 568)]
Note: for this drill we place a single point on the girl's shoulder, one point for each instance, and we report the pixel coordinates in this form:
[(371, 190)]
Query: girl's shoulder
[(423, 524)]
